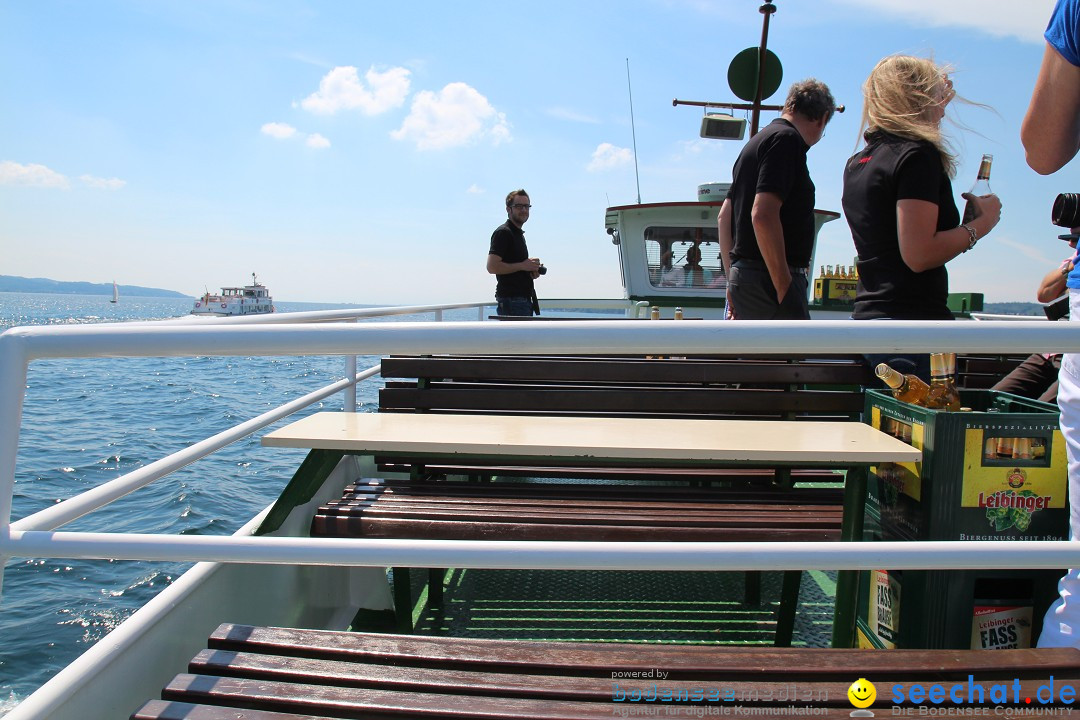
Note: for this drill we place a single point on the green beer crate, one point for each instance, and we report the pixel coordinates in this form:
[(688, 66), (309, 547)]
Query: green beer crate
[(996, 472)]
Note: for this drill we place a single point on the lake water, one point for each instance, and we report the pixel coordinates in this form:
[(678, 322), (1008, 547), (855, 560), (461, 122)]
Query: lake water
[(87, 421)]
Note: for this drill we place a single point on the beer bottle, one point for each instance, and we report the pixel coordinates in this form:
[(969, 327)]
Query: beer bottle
[(943, 393), (654, 313), (980, 188), (678, 313), (906, 388)]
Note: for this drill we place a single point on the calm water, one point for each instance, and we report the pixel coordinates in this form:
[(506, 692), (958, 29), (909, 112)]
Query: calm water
[(89, 421)]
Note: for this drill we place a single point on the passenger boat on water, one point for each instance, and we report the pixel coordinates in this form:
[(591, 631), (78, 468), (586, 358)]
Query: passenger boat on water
[(253, 299)]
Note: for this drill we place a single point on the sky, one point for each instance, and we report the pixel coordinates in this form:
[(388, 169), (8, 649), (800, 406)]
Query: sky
[(360, 152)]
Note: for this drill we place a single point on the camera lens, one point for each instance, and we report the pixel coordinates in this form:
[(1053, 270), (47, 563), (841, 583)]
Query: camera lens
[(1066, 212), (542, 270)]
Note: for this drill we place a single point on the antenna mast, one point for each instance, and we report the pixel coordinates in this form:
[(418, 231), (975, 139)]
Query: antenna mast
[(633, 132)]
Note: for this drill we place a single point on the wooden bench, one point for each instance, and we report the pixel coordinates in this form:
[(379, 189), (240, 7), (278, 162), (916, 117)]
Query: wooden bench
[(258, 672), (618, 386), (582, 441), (981, 372), (596, 386)]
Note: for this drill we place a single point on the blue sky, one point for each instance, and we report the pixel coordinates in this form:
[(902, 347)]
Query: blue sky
[(360, 151)]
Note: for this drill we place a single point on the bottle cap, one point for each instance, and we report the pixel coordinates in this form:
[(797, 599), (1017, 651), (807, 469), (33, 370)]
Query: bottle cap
[(887, 375)]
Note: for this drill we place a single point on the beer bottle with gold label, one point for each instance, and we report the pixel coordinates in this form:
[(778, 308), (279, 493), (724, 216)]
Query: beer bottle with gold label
[(906, 388), (943, 393)]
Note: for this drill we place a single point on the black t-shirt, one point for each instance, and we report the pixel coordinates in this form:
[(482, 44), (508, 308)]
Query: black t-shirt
[(508, 242), (889, 169), (774, 161)]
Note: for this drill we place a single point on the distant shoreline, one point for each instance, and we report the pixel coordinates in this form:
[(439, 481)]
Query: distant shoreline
[(14, 283)]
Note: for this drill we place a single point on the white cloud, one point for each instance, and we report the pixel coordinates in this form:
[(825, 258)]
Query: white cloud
[(607, 156), (456, 115), (102, 183), (475, 189), (571, 115), (1023, 20), (13, 173), (284, 131), (341, 89), (281, 131)]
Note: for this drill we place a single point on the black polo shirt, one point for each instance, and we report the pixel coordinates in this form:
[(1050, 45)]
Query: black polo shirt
[(888, 169), (774, 161), (508, 242)]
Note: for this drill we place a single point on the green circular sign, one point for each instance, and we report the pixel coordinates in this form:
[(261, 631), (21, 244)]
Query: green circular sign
[(742, 74)]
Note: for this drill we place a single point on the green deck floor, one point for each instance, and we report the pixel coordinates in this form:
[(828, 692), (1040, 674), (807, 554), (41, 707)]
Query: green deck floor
[(619, 606)]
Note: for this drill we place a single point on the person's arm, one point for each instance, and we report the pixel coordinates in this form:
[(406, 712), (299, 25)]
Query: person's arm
[(726, 236), (923, 247), (1053, 285), (496, 266), (765, 216), (1051, 129)]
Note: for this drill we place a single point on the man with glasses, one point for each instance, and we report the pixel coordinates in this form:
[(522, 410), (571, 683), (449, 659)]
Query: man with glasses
[(508, 260)]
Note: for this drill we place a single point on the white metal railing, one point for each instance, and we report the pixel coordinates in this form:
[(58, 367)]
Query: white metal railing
[(21, 346)]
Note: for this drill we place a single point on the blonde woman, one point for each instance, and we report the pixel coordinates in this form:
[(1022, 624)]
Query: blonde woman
[(898, 197)]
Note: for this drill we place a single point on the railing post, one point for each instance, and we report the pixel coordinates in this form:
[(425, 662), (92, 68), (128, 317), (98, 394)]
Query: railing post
[(350, 391), (438, 315), (12, 391)]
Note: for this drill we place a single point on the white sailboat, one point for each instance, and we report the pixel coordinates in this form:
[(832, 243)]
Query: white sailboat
[(115, 293)]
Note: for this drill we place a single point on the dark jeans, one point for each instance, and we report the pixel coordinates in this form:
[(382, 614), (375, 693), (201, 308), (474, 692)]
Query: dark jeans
[(1036, 378), (514, 305), (753, 297)]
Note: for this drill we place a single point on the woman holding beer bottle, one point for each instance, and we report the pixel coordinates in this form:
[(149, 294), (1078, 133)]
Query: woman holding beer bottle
[(898, 200)]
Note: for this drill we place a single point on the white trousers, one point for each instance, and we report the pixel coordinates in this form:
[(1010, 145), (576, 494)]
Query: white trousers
[(1061, 627)]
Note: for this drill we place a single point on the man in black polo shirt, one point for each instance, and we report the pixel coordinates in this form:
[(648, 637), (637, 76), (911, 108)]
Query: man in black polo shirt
[(508, 260), (766, 223)]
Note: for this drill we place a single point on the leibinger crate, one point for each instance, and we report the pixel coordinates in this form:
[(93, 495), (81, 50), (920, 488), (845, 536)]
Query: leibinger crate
[(997, 472)]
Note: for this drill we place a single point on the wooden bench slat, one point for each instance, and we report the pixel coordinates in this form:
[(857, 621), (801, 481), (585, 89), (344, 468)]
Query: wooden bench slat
[(325, 526), (744, 476), (610, 370), (539, 512), (369, 703), (172, 710), (638, 401), (575, 492)]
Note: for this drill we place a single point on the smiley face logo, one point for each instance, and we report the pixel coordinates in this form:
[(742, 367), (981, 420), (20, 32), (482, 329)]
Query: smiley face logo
[(862, 693)]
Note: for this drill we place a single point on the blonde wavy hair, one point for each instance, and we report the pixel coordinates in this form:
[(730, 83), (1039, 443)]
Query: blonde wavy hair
[(901, 97)]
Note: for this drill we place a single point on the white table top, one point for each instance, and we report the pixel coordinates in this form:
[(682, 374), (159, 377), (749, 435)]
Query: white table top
[(592, 440)]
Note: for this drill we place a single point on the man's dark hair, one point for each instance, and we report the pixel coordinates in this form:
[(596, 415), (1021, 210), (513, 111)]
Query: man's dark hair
[(811, 99), (513, 194)]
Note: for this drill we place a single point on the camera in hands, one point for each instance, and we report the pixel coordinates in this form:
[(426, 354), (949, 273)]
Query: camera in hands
[(1066, 211), (542, 270)]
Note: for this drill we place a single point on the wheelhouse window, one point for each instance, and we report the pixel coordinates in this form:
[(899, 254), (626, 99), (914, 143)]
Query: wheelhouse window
[(682, 257)]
